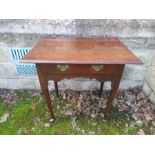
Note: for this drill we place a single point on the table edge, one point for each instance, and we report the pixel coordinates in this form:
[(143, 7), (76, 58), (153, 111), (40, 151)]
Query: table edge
[(82, 62)]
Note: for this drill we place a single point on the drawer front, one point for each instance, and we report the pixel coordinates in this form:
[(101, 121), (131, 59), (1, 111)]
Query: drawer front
[(79, 69)]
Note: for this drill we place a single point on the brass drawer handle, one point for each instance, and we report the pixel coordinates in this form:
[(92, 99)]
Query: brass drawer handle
[(97, 67), (62, 67)]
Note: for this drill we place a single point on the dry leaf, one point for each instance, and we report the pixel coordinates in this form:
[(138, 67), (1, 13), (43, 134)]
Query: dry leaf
[(139, 123), (68, 113), (91, 132), (64, 96), (34, 106), (47, 125), (153, 123), (132, 101), (126, 128), (148, 117), (33, 129), (4, 117), (141, 132)]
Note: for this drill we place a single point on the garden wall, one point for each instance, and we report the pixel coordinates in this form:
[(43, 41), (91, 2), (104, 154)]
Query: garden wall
[(149, 84), (138, 35)]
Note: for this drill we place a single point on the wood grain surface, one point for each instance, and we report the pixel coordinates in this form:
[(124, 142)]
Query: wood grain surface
[(80, 51)]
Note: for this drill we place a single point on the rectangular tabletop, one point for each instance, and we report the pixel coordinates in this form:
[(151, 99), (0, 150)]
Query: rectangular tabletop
[(80, 51)]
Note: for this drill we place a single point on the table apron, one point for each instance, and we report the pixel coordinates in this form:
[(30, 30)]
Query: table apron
[(80, 70)]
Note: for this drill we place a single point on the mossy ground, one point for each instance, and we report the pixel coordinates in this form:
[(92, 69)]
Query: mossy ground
[(24, 119)]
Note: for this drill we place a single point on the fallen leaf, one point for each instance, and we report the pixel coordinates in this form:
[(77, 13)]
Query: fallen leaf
[(64, 96), (33, 129), (34, 106), (37, 120), (91, 132), (141, 132), (137, 116), (123, 108), (83, 131), (47, 114), (74, 125), (47, 125), (139, 123), (148, 117), (58, 107), (69, 113), (126, 128), (93, 115), (4, 117)]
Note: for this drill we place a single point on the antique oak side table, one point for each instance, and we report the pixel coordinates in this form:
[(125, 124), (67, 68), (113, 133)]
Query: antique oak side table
[(100, 59)]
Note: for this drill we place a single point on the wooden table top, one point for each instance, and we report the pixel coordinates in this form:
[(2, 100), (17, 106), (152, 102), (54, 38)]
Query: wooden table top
[(80, 51)]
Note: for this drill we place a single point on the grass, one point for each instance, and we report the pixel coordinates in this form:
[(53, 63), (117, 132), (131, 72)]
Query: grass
[(26, 120)]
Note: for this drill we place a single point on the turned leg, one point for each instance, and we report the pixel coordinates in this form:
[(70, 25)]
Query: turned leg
[(114, 85), (56, 88), (44, 87), (101, 89)]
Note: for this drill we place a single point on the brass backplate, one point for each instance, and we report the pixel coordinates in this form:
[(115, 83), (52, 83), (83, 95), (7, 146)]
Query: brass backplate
[(97, 67), (62, 67)]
